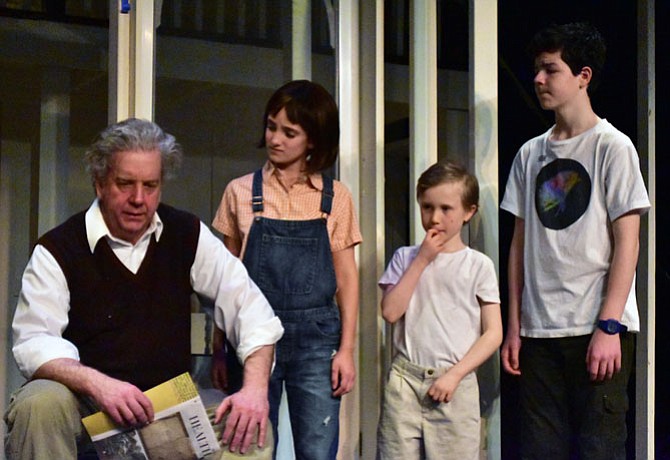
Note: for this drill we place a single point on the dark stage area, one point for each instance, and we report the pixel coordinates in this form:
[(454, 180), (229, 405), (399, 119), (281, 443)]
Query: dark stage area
[(521, 118)]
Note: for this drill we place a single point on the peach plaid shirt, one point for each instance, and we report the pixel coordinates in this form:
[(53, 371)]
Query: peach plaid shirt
[(301, 202)]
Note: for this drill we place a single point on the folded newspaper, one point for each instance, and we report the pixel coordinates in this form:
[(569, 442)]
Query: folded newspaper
[(181, 428)]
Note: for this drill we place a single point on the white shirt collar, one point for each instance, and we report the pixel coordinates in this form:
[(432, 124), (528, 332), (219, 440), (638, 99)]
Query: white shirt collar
[(96, 227)]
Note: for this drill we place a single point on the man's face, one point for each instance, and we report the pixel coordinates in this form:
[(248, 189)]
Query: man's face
[(130, 193)]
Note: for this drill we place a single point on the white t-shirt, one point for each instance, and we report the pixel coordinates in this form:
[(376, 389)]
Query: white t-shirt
[(569, 192), (443, 319)]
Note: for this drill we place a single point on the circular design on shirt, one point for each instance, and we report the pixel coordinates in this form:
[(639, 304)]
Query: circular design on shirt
[(562, 193)]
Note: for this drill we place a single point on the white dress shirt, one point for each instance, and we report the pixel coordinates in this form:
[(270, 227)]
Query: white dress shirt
[(41, 316)]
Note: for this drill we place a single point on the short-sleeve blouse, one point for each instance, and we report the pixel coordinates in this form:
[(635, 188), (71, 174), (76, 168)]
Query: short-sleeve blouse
[(301, 202)]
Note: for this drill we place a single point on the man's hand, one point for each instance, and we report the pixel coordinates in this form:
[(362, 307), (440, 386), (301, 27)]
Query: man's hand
[(510, 353), (123, 402), (249, 410), (443, 389), (343, 373), (603, 357)]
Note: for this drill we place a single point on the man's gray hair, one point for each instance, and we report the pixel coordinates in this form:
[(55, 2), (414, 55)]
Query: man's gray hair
[(132, 134)]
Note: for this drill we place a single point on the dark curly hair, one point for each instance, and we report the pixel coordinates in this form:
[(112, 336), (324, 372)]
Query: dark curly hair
[(580, 44)]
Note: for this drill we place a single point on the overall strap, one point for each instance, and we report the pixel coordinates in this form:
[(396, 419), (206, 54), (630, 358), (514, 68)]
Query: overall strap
[(327, 194), (257, 192)]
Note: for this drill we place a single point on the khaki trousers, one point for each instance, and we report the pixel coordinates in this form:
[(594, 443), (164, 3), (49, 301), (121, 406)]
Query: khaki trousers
[(44, 423), (413, 426)]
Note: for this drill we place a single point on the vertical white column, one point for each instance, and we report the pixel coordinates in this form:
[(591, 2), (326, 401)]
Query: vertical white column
[(645, 372), (423, 101), (348, 97), (301, 40), (483, 113), (132, 42), (483, 95), (54, 146), (144, 58), (371, 214), (120, 105)]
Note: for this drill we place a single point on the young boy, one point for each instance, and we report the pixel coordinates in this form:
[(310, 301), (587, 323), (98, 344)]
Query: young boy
[(443, 298), (577, 194)]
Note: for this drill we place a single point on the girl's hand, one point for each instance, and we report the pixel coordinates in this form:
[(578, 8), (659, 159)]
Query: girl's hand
[(343, 373)]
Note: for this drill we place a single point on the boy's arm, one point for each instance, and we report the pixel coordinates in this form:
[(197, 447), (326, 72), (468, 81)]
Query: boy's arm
[(396, 298), (443, 388), (512, 344), (603, 357)]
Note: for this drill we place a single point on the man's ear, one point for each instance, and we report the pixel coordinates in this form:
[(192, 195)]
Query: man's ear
[(98, 188)]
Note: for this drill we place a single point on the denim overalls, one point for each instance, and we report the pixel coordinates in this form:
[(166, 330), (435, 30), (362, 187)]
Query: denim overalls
[(292, 263)]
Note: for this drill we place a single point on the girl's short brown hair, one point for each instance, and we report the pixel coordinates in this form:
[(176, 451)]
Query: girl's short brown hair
[(309, 105)]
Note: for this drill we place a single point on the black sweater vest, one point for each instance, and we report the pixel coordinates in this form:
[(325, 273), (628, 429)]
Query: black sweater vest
[(133, 327)]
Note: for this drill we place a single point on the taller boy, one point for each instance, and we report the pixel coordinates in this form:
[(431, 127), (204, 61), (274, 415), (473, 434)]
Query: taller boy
[(577, 194)]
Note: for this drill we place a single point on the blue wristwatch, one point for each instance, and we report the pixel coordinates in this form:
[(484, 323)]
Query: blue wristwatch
[(611, 326)]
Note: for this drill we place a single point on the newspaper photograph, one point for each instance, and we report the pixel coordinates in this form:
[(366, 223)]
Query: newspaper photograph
[(181, 429)]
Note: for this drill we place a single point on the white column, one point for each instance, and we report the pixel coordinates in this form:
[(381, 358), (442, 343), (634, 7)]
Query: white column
[(371, 212), (144, 58), (54, 147), (483, 91), (645, 372), (132, 42), (483, 112), (120, 104), (423, 101), (301, 40), (348, 97)]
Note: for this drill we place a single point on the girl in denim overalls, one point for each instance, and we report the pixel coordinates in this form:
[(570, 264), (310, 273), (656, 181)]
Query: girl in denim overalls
[(296, 230)]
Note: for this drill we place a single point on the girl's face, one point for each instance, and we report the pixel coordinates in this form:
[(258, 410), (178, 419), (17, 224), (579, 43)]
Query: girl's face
[(287, 143)]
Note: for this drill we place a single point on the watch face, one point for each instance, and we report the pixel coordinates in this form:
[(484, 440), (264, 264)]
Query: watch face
[(611, 326)]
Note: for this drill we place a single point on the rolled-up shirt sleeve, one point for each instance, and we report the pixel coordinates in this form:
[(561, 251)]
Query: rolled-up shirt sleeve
[(240, 308), (41, 314)]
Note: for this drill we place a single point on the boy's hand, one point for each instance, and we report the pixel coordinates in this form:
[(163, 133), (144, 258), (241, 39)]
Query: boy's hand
[(432, 244), (510, 353), (603, 357), (443, 389)]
